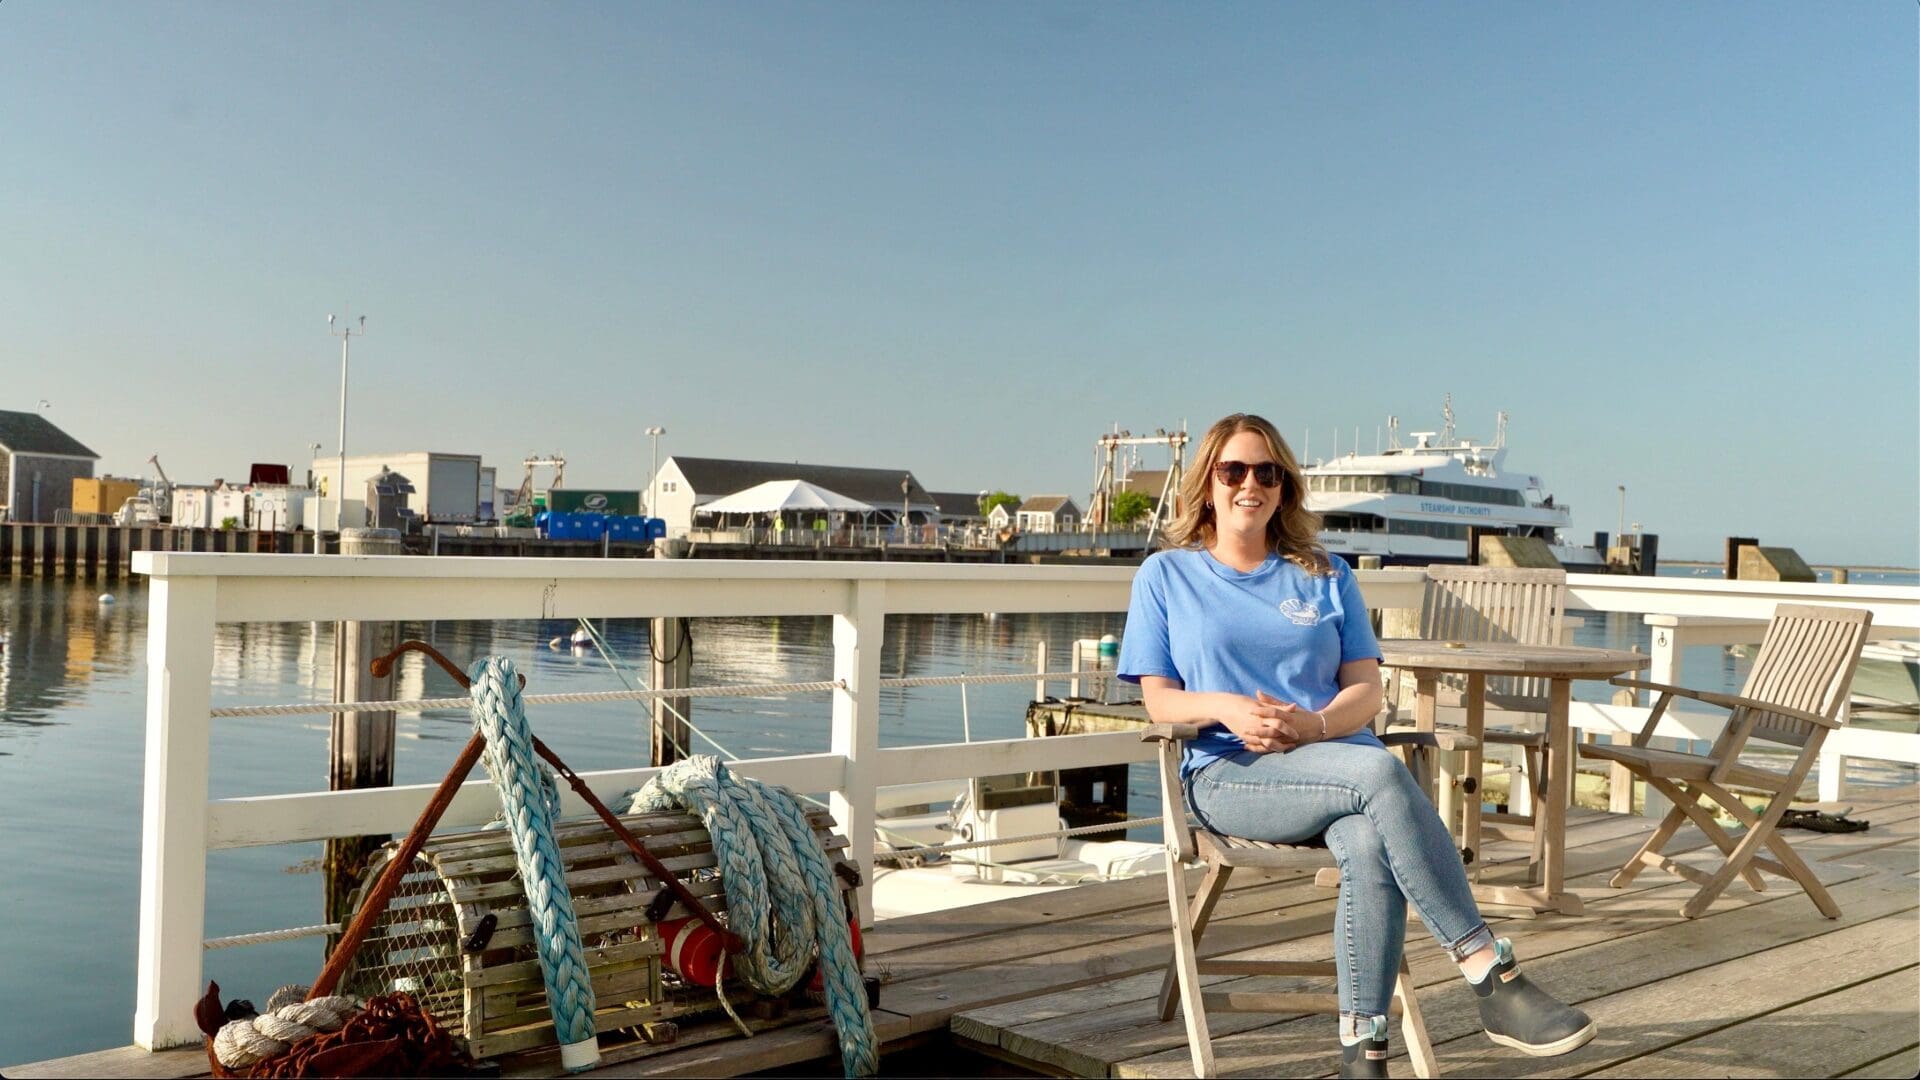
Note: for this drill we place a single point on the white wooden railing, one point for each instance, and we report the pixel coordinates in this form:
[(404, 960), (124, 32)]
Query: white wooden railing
[(191, 593), (1684, 612)]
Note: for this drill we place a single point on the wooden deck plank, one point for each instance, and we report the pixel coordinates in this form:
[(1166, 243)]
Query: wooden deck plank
[(1819, 1037), (1078, 1032), (933, 998), (1646, 1018), (1088, 962), (979, 920), (127, 1061), (1675, 999), (1047, 938), (1078, 1029), (1900, 1065), (773, 1049)]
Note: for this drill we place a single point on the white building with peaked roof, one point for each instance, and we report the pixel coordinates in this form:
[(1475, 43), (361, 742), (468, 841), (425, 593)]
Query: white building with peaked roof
[(684, 484), (1048, 514)]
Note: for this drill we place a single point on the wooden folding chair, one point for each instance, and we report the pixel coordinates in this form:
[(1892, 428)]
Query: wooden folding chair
[(1493, 604), (1795, 693), (1222, 855)]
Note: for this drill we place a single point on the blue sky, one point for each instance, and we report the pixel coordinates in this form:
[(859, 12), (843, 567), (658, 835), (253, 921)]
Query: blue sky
[(1676, 242)]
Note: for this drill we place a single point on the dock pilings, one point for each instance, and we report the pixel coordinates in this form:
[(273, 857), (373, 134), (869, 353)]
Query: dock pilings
[(360, 745), (105, 552)]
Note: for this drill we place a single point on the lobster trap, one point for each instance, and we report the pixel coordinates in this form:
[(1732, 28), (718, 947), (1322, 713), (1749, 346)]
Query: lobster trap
[(458, 936)]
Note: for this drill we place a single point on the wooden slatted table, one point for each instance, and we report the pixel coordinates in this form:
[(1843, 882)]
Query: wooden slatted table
[(1560, 665)]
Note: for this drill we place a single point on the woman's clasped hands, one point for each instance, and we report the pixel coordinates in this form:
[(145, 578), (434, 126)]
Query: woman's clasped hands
[(1269, 725)]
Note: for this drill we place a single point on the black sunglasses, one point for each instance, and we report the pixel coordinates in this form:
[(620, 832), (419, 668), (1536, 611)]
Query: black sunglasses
[(1267, 474)]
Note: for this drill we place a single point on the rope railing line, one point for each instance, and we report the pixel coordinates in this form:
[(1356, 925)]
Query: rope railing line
[(426, 704), (263, 937), (983, 680), (579, 698)]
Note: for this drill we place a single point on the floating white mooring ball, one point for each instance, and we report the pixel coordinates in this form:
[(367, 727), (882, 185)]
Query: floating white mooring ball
[(106, 598)]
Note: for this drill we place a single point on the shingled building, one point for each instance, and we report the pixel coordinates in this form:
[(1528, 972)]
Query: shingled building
[(38, 465)]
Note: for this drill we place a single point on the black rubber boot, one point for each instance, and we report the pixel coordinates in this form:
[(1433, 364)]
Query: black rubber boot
[(1366, 1058), (1519, 1014)]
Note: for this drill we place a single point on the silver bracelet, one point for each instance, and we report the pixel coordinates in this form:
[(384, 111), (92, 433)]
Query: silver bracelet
[(1323, 726)]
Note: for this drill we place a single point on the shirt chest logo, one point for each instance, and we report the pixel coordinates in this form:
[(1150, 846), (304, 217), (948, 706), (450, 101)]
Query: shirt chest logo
[(1300, 614)]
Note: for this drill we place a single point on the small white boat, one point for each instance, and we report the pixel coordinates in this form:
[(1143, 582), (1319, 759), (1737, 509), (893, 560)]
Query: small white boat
[(1888, 675), (1004, 832)]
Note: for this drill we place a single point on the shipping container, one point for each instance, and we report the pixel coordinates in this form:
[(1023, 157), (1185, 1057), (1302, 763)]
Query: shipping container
[(192, 508), (276, 507), (229, 504), (102, 495)]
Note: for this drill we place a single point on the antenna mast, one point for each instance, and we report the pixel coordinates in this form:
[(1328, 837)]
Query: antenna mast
[(1107, 448)]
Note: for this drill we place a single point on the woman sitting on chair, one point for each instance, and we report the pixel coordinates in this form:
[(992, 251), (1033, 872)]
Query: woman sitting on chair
[(1249, 629)]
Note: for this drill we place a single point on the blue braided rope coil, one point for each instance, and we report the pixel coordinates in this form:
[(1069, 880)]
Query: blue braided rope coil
[(510, 760), (782, 898)]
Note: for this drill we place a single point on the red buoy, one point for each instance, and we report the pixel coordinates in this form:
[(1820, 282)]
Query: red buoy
[(693, 950)]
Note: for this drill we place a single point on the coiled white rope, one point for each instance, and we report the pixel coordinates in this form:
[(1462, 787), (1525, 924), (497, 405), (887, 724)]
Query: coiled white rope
[(241, 1043)]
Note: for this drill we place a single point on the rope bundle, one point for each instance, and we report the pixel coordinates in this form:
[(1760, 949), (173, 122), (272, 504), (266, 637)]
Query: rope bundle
[(241, 1043), (782, 898), (524, 799)]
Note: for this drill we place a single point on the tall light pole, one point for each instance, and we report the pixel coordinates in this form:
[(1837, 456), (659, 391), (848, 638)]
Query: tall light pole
[(313, 455), (345, 334), (1622, 531), (653, 478)]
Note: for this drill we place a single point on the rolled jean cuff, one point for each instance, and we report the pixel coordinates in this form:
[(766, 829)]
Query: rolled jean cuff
[(1357, 1026), (1481, 938)]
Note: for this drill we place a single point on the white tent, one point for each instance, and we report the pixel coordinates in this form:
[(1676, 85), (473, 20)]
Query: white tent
[(777, 495)]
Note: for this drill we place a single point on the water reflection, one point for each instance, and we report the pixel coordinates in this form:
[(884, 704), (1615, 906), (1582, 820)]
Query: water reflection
[(58, 638)]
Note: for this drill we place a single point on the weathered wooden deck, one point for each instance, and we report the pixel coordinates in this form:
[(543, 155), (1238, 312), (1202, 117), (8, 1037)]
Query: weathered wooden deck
[(1063, 983)]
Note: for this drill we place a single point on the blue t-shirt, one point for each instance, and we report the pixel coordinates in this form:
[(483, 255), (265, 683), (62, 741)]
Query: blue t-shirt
[(1217, 630)]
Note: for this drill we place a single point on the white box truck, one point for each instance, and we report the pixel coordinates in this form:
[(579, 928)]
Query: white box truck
[(446, 487)]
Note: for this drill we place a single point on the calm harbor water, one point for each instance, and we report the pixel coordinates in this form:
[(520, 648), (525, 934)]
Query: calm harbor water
[(72, 713)]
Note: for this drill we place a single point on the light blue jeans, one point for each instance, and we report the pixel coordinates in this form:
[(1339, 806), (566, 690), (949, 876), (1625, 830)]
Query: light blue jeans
[(1385, 835)]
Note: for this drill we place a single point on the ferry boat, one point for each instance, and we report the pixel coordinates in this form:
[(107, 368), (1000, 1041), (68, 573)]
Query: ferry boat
[(1415, 505)]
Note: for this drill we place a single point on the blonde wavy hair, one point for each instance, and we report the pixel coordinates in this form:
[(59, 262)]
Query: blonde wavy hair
[(1293, 532)]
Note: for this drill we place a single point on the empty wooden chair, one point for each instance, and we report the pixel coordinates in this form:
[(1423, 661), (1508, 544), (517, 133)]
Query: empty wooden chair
[(1222, 855), (1795, 693), (1493, 604)]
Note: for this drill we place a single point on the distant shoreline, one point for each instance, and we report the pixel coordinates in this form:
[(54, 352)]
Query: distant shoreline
[(1815, 566)]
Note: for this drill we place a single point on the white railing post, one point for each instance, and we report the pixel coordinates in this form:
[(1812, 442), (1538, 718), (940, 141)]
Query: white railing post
[(1669, 652), (173, 823), (857, 636), (1040, 662), (1833, 763)]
